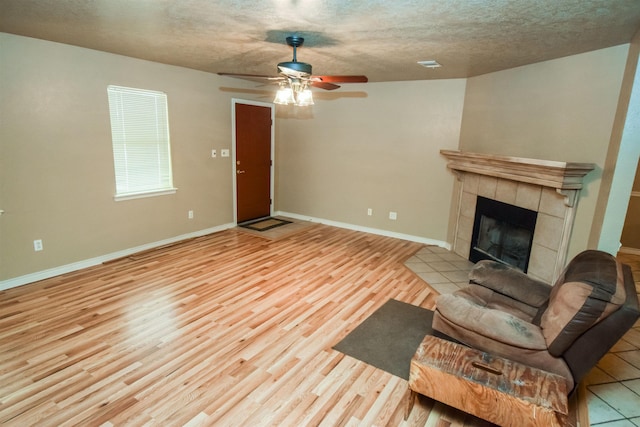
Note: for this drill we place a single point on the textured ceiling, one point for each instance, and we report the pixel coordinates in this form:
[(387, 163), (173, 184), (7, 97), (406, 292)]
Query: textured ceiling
[(382, 39)]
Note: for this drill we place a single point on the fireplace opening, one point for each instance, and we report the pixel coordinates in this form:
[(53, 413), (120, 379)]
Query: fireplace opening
[(503, 233)]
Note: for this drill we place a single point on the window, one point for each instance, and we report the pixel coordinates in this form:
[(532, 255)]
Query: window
[(141, 149)]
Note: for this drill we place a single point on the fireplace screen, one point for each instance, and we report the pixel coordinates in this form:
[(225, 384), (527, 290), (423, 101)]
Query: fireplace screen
[(503, 233)]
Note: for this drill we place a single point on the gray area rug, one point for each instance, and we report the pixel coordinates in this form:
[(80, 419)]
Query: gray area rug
[(389, 337)]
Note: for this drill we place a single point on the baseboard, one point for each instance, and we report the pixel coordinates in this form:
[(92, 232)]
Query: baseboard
[(377, 231), (63, 269), (56, 271)]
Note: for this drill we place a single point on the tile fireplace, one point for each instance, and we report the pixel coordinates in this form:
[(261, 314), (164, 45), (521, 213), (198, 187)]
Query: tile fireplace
[(548, 189)]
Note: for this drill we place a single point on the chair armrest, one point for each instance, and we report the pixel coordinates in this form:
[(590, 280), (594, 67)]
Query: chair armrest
[(510, 282)]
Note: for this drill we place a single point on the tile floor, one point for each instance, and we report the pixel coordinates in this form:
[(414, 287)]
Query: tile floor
[(613, 386)]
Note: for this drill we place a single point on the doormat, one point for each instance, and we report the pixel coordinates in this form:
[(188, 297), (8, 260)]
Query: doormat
[(264, 224), (389, 338)]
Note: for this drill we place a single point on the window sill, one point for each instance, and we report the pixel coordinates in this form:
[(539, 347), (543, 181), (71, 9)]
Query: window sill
[(131, 196)]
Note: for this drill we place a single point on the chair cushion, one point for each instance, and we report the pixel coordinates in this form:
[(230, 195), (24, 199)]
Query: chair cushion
[(590, 288), (511, 282), (471, 312)]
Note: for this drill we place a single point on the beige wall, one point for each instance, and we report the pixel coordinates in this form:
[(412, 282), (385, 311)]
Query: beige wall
[(369, 146), (56, 162), (377, 147), (365, 146), (558, 110)]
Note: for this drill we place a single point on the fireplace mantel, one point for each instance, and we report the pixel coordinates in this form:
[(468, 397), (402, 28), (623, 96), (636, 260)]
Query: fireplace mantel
[(550, 188), (547, 173)]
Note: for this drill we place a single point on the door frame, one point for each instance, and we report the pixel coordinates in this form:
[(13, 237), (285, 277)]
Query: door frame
[(272, 107)]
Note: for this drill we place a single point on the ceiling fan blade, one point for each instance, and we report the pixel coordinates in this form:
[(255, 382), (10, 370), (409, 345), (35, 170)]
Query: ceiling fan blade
[(324, 85), (342, 79), (251, 76)]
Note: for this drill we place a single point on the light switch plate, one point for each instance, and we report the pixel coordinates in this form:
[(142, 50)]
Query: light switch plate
[(224, 152)]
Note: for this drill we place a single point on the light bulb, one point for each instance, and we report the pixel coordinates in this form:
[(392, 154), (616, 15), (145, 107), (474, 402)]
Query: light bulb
[(284, 96), (305, 97)]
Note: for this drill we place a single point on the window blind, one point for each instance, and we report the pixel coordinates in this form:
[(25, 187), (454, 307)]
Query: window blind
[(140, 135)]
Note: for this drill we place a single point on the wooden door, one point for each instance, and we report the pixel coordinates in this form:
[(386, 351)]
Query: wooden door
[(630, 238), (253, 161)]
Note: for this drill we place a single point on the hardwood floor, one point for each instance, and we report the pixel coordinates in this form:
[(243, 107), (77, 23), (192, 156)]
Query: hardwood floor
[(226, 329)]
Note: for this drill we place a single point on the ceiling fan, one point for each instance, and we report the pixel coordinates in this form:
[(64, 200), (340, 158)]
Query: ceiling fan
[(295, 78)]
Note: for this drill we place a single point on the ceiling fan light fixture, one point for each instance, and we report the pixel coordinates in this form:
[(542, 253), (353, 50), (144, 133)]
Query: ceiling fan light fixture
[(294, 91), (305, 98), (284, 96)]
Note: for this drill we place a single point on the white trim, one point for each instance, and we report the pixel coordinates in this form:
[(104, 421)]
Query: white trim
[(377, 231), (272, 195), (56, 271), (632, 251), (63, 269), (131, 196)]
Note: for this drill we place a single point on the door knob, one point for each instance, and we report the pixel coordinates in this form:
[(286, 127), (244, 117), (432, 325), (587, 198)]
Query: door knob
[(239, 171)]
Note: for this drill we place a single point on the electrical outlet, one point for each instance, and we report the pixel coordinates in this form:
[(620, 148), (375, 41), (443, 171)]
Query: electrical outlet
[(369, 211), (37, 245), (393, 215), (190, 214)]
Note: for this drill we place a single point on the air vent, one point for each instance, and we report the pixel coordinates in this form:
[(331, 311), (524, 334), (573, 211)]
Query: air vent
[(430, 64)]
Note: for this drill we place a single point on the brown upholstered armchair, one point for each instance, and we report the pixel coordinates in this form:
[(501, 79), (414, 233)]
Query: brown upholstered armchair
[(564, 329)]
